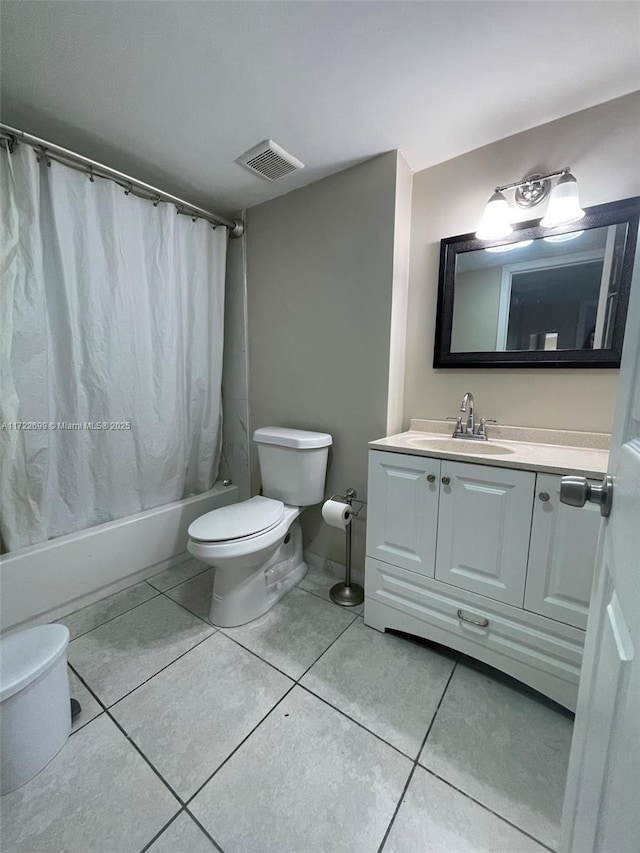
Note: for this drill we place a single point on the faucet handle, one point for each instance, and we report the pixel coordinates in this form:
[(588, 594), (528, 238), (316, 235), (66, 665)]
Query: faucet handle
[(482, 429), (458, 430)]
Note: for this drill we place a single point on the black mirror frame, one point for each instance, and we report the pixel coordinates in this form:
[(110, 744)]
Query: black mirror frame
[(627, 210)]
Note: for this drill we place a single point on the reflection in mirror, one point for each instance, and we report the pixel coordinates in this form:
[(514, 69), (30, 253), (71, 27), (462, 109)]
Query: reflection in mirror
[(546, 297), (544, 294)]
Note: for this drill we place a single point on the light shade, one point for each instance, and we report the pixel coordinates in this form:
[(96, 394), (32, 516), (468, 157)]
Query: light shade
[(495, 220), (564, 205)]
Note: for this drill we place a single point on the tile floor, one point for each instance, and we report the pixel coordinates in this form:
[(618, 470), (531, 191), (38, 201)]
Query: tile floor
[(303, 731)]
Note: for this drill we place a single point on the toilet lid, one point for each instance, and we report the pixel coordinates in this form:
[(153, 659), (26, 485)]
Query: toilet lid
[(26, 654), (237, 520)]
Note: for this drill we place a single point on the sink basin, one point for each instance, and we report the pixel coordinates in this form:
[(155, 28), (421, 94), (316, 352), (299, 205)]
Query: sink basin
[(460, 445)]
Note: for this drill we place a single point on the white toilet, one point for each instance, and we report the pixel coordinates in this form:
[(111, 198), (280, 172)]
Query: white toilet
[(256, 545)]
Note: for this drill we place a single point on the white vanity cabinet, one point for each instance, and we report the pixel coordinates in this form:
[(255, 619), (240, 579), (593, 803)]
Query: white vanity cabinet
[(483, 529), (483, 559), (561, 555), (402, 520)]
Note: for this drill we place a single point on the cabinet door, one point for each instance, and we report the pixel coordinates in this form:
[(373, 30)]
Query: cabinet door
[(402, 513), (562, 556), (483, 531)]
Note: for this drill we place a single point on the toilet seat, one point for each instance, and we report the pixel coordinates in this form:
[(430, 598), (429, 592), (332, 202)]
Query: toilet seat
[(244, 520)]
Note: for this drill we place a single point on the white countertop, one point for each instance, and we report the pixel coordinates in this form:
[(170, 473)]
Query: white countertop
[(551, 451)]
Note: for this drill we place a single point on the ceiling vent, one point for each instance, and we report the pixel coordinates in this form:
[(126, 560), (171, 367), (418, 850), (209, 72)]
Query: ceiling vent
[(269, 160)]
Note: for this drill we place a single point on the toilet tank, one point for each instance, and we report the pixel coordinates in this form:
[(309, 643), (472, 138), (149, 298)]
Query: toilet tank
[(293, 464)]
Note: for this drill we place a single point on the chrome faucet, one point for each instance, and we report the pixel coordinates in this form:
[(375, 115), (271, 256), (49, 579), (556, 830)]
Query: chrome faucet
[(468, 403), (468, 429)]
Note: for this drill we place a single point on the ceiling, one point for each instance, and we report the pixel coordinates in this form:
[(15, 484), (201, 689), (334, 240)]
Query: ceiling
[(173, 92)]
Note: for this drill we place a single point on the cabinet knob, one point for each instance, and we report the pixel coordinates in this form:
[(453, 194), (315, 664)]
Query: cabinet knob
[(431, 478), (446, 481), (544, 496)]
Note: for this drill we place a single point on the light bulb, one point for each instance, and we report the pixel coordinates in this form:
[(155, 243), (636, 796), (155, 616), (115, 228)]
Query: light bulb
[(564, 205), (495, 224)]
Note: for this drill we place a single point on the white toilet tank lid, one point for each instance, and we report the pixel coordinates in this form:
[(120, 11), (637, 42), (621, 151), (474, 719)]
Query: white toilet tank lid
[(300, 438), (237, 520), (26, 654)]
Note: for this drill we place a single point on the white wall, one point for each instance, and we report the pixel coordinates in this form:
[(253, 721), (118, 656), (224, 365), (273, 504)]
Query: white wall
[(320, 272), (602, 145)]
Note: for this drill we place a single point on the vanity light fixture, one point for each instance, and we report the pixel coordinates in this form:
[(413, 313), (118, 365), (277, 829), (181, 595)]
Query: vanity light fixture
[(564, 206)]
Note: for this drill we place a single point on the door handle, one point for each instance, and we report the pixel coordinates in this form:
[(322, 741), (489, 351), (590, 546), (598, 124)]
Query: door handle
[(576, 491)]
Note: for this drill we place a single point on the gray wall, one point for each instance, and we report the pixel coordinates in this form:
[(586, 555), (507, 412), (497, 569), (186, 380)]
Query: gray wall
[(320, 268), (602, 145)]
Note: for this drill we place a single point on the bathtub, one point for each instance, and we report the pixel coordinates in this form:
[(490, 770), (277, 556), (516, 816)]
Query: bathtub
[(43, 582)]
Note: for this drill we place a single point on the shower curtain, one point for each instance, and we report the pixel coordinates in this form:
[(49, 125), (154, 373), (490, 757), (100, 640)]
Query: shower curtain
[(111, 333)]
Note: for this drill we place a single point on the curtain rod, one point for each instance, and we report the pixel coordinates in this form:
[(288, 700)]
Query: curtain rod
[(51, 151)]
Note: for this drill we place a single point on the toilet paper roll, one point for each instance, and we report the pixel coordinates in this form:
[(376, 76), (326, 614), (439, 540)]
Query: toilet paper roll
[(336, 513)]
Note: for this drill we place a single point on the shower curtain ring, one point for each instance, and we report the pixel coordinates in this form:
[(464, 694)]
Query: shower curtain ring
[(43, 155), (91, 176), (156, 201), (128, 189)]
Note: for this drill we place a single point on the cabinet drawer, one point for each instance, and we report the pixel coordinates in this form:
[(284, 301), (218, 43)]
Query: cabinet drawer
[(562, 555), (537, 651), (402, 514)]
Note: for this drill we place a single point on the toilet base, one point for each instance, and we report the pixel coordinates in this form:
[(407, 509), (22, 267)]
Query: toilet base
[(242, 596)]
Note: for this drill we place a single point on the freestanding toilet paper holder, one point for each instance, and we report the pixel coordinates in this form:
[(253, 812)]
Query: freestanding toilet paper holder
[(348, 594)]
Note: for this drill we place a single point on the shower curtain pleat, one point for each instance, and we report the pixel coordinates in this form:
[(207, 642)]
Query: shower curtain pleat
[(111, 312)]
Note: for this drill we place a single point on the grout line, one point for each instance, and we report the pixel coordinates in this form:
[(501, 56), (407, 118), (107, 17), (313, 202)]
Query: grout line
[(415, 761), (435, 713), (106, 711), (133, 690), (487, 809), (295, 684), (243, 741), (256, 655), (186, 580), (106, 622), (166, 826), (328, 600), (360, 725), (190, 612), (144, 757), (208, 834), (397, 808)]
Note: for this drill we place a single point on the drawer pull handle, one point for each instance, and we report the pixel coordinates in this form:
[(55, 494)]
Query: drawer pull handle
[(431, 478), (481, 623), (446, 481), (544, 496)]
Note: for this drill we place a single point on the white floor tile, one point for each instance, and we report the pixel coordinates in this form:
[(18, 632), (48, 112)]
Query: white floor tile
[(192, 715), (108, 608), (323, 574), (392, 685), (307, 780), (434, 817), (294, 633), (98, 795), (195, 594), (504, 748), (119, 656), (182, 836), (90, 708), (179, 573)]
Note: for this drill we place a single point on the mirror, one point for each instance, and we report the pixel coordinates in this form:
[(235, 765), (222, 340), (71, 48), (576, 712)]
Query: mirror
[(546, 297)]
